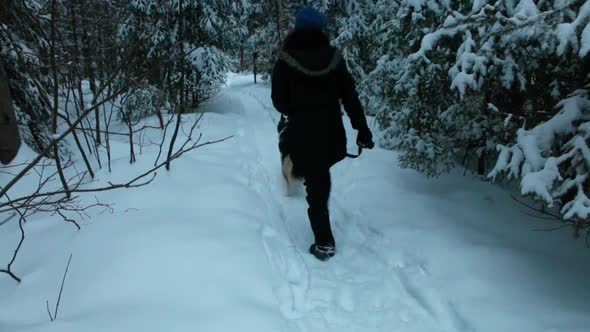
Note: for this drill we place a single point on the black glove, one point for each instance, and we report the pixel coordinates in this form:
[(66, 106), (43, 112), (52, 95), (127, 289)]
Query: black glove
[(365, 139)]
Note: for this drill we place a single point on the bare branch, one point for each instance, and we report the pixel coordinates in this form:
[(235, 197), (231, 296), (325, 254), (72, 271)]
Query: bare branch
[(11, 275), (576, 224), (48, 311), (8, 269), (95, 105), (67, 219), (552, 229), (536, 209), (134, 183), (53, 143), (62, 287)]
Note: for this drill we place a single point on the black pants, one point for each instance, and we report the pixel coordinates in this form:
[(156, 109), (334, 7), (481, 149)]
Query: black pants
[(318, 184)]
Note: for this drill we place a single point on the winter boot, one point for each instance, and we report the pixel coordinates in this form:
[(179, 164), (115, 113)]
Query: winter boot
[(323, 253)]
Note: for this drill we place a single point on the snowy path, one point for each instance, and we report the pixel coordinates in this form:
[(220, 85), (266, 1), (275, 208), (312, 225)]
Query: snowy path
[(215, 245), (381, 280), (359, 290), (376, 282)]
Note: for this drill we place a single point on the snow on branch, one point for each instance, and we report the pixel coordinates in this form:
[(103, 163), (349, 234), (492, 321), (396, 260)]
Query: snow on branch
[(568, 36), (552, 159)]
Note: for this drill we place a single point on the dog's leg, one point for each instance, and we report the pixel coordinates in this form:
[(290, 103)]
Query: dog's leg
[(287, 164), (284, 168)]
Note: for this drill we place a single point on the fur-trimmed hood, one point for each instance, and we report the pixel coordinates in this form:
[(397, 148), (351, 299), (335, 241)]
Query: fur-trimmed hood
[(309, 52), (315, 63)]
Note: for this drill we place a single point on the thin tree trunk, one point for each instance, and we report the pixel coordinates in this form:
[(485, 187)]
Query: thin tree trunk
[(242, 64), (90, 70), (107, 124), (159, 97), (131, 147), (77, 82), (76, 139), (81, 149), (254, 56), (81, 107), (56, 96), (78, 74), (481, 163), (54, 68), (108, 147), (182, 88), (8, 269)]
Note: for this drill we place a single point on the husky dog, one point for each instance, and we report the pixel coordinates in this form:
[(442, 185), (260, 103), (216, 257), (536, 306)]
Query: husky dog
[(292, 178)]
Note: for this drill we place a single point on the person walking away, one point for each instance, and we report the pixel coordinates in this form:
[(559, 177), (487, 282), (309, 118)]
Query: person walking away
[(310, 82)]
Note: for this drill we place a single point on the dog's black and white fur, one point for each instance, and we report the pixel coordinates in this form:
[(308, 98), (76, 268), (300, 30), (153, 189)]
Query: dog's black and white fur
[(292, 179)]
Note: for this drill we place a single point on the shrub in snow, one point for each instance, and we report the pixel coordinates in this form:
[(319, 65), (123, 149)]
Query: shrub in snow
[(552, 159), (463, 80), (457, 78), (141, 103), (184, 44)]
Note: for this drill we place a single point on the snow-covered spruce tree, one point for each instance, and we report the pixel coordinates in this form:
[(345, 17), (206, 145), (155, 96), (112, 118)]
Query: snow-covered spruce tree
[(410, 96), (369, 35), (551, 159), (269, 22), (265, 32), (475, 68), (185, 43)]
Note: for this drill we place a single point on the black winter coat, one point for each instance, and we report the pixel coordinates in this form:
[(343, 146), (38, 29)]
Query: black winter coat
[(309, 82)]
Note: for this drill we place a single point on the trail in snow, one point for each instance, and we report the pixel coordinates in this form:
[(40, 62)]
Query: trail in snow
[(374, 283), (359, 290), (215, 245)]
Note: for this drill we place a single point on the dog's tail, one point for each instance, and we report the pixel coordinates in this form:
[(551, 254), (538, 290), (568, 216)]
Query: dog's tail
[(288, 169), (290, 177)]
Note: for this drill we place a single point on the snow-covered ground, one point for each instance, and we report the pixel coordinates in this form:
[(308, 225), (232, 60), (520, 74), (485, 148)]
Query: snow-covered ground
[(215, 245)]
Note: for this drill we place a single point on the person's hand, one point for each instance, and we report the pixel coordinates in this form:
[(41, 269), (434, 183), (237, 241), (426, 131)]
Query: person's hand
[(365, 140)]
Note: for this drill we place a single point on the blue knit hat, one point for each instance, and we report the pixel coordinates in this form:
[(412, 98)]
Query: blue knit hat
[(310, 18)]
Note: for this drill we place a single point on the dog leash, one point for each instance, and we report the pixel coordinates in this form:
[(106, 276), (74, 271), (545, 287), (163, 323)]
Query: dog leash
[(354, 156)]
